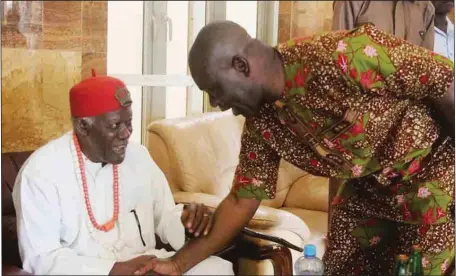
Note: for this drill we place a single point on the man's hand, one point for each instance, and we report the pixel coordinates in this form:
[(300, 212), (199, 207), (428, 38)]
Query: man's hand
[(161, 267), (197, 218), (129, 267), (231, 216)]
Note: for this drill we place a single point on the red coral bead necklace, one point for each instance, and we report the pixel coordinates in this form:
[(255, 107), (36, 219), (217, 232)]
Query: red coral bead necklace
[(110, 224)]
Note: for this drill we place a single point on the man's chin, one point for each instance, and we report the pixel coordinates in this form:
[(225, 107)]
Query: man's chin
[(117, 159), (244, 112)]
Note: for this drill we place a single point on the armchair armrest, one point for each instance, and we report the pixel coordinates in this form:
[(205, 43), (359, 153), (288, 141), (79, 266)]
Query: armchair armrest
[(254, 245), (265, 218), (13, 270), (278, 254), (240, 247)]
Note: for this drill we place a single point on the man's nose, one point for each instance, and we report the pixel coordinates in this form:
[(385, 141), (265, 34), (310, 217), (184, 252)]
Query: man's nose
[(213, 101), (124, 132)]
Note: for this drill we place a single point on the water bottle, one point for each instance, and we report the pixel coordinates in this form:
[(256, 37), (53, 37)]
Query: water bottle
[(309, 264)]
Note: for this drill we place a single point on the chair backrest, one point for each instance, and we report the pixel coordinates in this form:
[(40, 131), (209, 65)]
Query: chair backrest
[(11, 164), (200, 153)]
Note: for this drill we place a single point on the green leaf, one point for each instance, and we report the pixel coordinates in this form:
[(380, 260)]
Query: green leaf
[(436, 261), (361, 235), (329, 122), (360, 161), (444, 60), (291, 43), (344, 174), (250, 191), (354, 139), (365, 119), (364, 233), (381, 62), (346, 190), (362, 153), (398, 166), (373, 165), (362, 63), (296, 91), (290, 71), (305, 114), (438, 198), (415, 153)]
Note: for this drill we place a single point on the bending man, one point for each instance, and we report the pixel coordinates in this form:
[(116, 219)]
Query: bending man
[(349, 105)]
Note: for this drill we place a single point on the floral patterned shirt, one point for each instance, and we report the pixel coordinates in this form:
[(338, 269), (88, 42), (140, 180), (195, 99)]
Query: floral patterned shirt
[(354, 105)]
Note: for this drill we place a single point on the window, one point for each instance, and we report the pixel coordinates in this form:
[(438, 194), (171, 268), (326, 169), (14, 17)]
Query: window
[(244, 13), (169, 29), (124, 50)]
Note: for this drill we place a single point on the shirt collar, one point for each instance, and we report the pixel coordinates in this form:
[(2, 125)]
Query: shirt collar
[(440, 32), (450, 27)]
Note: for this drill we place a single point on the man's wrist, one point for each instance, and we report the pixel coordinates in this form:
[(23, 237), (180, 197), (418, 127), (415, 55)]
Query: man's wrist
[(181, 265)]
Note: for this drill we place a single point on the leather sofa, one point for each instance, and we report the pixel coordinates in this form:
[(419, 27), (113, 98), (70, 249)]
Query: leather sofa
[(198, 154)]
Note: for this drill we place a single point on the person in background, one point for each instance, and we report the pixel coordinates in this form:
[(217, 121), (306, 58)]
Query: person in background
[(444, 29), (346, 104), (91, 203), (409, 20)]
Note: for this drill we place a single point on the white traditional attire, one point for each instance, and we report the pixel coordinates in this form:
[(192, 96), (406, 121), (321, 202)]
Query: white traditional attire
[(55, 233)]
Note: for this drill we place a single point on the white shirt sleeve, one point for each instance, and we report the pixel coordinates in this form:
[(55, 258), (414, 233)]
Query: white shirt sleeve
[(38, 225), (167, 215)]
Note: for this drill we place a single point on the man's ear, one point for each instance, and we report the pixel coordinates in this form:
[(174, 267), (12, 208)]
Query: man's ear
[(241, 65), (83, 125)]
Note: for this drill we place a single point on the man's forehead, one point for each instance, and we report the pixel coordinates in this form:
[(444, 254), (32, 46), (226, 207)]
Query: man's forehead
[(204, 79), (122, 113)]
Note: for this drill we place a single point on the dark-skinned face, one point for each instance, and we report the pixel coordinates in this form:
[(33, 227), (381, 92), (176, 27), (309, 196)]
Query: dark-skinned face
[(233, 88), (108, 136), (443, 7)]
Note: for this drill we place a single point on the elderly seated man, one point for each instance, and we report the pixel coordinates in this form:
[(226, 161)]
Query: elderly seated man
[(90, 202)]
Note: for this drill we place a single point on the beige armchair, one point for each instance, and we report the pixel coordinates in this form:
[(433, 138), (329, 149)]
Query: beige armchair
[(199, 154)]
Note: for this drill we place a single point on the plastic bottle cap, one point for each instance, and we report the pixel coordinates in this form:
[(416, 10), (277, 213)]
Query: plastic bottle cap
[(310, 250)]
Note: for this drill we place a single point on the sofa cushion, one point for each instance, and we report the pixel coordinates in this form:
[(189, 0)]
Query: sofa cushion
[(199, 149), (199, 154), (309, 192)]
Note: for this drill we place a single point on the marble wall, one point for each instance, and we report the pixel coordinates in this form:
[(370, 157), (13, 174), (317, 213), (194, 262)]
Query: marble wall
[(303, 18), (47, 47)]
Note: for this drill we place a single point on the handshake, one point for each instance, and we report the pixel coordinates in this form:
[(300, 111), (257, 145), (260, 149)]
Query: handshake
[(196, 218)]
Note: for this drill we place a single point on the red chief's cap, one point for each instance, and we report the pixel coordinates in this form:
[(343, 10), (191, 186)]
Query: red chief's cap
[(97, 95)]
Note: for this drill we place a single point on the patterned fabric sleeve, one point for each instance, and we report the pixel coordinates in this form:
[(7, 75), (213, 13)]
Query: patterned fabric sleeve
[(385, 65), (257, 171)]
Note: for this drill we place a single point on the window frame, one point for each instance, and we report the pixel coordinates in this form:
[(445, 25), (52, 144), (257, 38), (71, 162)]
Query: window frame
[(154, 79)]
